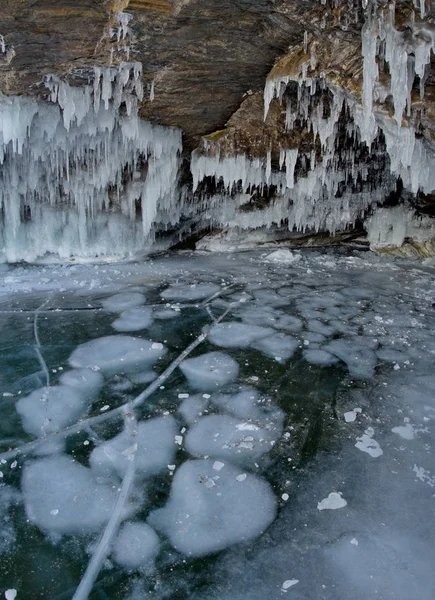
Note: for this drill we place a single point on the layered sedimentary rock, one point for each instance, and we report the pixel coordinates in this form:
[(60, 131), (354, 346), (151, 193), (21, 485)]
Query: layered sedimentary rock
[(297, 119)]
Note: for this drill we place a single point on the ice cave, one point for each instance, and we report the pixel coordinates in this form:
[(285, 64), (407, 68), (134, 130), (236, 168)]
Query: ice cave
[(217, 293)]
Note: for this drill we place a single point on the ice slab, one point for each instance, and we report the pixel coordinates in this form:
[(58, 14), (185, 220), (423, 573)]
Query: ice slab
[(51, 409), (86, 381), (62, 497), (193, 407), (222, 436), (279, 346), (406, 432), (123, 301), (210, 371), (332, 502), (360, 360), (367, 444), (136, 546), (117, 354), (134, 319), (184, 292), (247, 403), (283, 256), (319, 357), (208, 510), (237, 335), (153, 443)]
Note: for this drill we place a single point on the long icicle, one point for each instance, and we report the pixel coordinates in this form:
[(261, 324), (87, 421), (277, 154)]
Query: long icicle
[(98, 419), (103, 548)]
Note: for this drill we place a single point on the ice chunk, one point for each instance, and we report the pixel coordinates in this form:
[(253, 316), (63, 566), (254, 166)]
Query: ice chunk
[(248, 404), (283, 256), (205, 514), (319, 357), (237, 335), (193, 407), (407, 431), (117, 354), (155, 450), (123, 301), (183, 292), (50, 409), (142, 377), (332, 502), (61, 496), (279, 346), (360, 360), (133, 319), (210, 371), (367, 444), (222, 436), (136, 546), (166, 313), (86, 381), (288, 583)]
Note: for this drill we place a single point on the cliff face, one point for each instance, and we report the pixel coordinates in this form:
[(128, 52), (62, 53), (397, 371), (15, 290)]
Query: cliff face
[(301, 116)]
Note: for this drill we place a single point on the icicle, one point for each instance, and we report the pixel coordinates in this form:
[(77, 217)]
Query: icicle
[(305, 41), (291, 157), (2, 45), (152, 91), (367, 124)]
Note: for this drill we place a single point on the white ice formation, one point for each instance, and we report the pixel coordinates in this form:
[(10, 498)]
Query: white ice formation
[(210, 510), (62, 497), (211, 371), (80, 170), (117, 354), (154, 448)]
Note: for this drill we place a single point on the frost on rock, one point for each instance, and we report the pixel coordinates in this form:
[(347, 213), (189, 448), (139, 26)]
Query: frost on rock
[(209, 511), (136, 546), (153, 446), (222, 436), (211, 371), (62, 497), (237, 335), (51, 409), (74, 170), (133, 319), (117, 354)]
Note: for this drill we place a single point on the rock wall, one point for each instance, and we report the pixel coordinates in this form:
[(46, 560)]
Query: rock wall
[(301, 117)]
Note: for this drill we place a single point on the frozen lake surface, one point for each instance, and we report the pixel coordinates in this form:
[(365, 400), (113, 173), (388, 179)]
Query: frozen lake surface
[(218, 427)]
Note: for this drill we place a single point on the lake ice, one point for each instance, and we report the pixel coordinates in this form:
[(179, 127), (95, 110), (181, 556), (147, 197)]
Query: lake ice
[(288, 454)]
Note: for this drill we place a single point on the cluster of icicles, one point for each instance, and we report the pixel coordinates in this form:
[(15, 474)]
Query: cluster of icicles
[(88, 153), (310, 202)]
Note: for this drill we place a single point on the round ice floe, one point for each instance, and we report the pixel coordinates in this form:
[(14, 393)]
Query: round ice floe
[(360, 360), (193, 407), (222, 436), (84, 380), (61, 496), (248, 404), (237, 335), (283, 256), (155, 450), (117, 354), (279, 346), (124, 301), (210, 371), (320, 357), (134, 319), (192, 291), (136, 546), (51, 409), (209, 510)]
